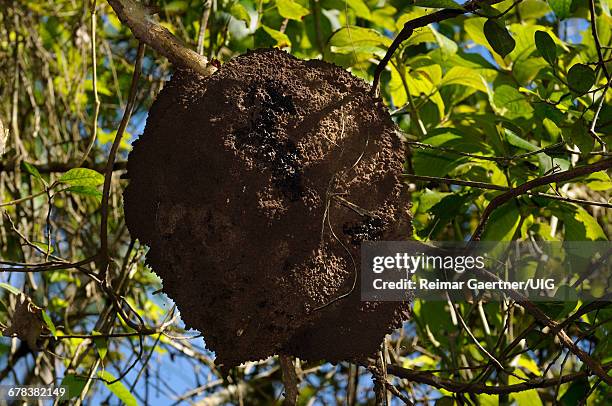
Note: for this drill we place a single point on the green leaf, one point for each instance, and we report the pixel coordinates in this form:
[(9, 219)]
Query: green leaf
[(536, 340), (86, 191), (447, 46), (510, 103), (118, 389), (546, 46), (105, 138), (101, 344), (487, 400), (435, 163), (499, 37), (10, 288), (532, 9), (579, 136), (82, 177), (43, 246), (576, 393), (74, 384), (561, 8), (177, 6), (459, 75), (32, 170), (488, 10), (290, 9), (439, 4), (579, 224), (49, 323), (529, 364), (358, 39), (528, 397), (240, 13), (360, 8), (445, 211), (279, 39), (503, 223), (599, 181), (580, 78)]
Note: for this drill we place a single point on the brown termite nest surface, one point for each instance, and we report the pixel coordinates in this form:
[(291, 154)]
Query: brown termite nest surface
[(253, 189)]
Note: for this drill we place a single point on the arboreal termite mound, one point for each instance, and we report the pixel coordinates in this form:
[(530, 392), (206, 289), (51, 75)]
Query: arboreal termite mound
[(253, 189)]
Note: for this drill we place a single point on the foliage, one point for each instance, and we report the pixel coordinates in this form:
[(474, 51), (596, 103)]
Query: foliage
[(508, 94)]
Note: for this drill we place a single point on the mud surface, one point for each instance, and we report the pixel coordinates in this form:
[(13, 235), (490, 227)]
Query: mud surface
[(253, 189)]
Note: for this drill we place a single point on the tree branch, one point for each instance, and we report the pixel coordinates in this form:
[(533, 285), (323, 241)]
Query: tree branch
[(108, 170), (461, 387), (290, 380), (142, 25), (420, 22), (61, 167), (491, 186), (532, 184)]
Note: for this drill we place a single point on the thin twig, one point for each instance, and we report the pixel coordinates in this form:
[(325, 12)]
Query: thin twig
[(94, 74), (490, 186), (108, 172), (419, 22), (203, 26)]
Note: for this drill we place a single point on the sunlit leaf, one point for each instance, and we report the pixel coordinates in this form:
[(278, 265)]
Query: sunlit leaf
[(528, 397), (10, 288), (239, 12), (82, 177), (579, 224), (561, 8), (360, 8), (43, 246), (177, 6), (101, 344), (49, 323), (291, 9), (358, 39), (118, 389), (438, 4)]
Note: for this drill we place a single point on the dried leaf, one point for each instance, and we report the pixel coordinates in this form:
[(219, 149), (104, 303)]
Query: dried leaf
[(25, 322)]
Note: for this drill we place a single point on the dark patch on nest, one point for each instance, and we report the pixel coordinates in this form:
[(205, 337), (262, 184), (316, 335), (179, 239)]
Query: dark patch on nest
[(260, 138), (244, 186), (368, 229)]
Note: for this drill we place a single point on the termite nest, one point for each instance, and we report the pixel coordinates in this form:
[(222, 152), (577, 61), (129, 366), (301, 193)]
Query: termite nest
[(253, 189)]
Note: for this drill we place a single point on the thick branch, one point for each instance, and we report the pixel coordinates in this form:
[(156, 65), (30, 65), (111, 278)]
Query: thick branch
[(142, 25), (532, 184)]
